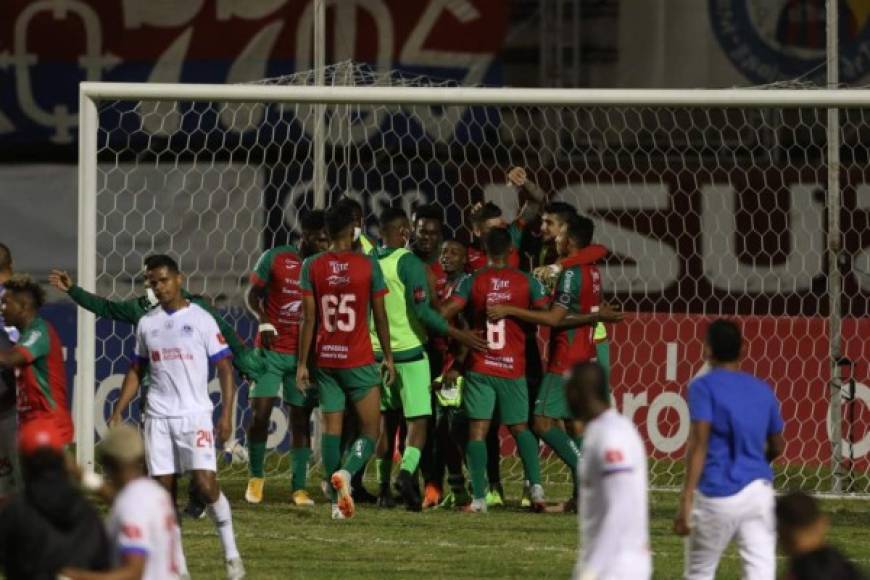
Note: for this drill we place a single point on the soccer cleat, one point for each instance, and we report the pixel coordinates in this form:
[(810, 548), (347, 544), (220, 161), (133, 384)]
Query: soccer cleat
[(431, 496), (254, 493), (344, 498), (526, 500), (362, 495), (195, 509), (449, 502), (235, 569), (495, 497), (336, 513), (536, 498), (301, 498), (385, 497), (477, 506), (406, 485)]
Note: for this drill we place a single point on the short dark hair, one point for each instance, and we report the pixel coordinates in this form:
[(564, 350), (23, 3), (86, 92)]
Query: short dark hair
[(797, 510), (580, 230), (5, 257), (725, 340), (24, 284), (338, 219), (353, 205), (497, 242), (599, 386), (428, 212), (161, 261), (565, 211), (455, 241), (487, 211), (312, 220), (391, 215)]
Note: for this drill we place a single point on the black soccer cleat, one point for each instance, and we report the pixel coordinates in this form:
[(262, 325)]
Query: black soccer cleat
[(362, 495), (385, 497), (406, 485)]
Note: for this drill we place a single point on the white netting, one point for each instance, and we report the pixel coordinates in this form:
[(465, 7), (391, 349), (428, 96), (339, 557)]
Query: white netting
[(707, 211)]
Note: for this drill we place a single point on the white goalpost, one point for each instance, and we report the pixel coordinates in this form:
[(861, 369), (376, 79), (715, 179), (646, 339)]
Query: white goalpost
[(712, 202)]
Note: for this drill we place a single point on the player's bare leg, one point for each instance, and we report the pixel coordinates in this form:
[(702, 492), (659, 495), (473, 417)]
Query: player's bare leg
[(300, 429), (369, 416), (475, 453), (218, 510), (170, 484), (527, 446), (258, 433), (386, 448)]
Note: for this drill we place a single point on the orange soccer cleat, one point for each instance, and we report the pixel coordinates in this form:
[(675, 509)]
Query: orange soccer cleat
[(431, 496)]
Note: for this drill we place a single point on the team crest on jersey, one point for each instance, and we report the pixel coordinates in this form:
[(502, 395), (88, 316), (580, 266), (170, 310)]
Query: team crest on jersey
[(154, 331), (168, 324), (777, 40), (187, 330)]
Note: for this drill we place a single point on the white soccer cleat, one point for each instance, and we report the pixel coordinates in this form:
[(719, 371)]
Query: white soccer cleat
[(340, 481), (336, 513), (235, 569), (477, 506)]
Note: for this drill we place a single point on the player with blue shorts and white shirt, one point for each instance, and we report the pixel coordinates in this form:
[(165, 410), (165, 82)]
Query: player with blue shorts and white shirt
[(728, 490)]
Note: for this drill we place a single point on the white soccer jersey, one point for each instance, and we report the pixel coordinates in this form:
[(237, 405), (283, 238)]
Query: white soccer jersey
[(178, 347), (143, 521), (614, 512)]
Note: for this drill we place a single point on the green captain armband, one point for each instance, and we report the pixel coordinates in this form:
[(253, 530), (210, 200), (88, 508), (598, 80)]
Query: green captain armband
[(450, 397), (600, 332)]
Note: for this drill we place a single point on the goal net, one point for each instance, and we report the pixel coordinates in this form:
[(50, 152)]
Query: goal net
[(714, 205)]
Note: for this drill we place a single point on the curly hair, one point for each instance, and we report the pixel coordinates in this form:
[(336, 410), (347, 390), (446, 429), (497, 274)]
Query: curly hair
[(23, 283)]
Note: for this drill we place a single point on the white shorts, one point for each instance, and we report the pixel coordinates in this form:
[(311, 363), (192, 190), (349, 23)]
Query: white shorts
[(8, 453), (180, 444), (748, 517)]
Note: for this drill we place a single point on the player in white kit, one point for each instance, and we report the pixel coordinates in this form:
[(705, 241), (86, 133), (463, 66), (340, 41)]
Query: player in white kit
[(728, 489), (614, 509), (142, 526), (177, 341)]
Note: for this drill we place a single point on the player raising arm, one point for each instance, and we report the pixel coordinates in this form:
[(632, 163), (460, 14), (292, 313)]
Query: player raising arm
[(176, 342), (275, 298), (497, 376), (340, 287)]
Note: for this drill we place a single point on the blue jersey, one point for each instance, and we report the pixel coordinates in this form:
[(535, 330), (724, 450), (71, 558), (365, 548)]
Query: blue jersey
[(743, 412)]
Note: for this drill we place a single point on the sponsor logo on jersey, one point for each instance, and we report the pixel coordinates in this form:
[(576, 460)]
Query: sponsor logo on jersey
[(497, 284), (613, 456), (338, 267), (338, 280), (498, 297), (291, 264), (155, 356), (291, 307), (131, 531), (32, 338)]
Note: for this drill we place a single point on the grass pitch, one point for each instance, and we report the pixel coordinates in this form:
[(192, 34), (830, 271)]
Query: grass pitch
[(278, 540)]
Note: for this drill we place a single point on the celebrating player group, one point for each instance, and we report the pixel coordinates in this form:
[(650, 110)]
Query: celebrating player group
[(422, 347)]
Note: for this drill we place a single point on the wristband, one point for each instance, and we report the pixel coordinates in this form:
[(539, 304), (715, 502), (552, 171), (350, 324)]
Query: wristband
[(267, 327)]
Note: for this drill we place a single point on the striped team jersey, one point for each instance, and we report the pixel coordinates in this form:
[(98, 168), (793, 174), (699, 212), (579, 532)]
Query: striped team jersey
[(279, 271), (343, 285), (577, 290), (506, 353), (42, 381)]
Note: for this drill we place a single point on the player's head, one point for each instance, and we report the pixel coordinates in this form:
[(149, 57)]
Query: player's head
[(340, 223), (724, 342), (497, 243), (314, 238), (356, 208), (554, 216), (575, 234), (164, 278), (22, 299), (454, 255), (801, 526), (395, 227), (427, 229), (122, 455), (485, 218), (5, 258), (586, 391), (41, 448)]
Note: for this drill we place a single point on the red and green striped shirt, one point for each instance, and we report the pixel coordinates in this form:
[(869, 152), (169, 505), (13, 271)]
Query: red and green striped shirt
[(42, 380)]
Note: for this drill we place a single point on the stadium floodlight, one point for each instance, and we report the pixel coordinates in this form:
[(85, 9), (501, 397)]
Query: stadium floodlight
[(713, 202)]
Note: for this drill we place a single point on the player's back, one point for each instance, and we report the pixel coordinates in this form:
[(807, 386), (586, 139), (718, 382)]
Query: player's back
[(143, 521), (505, 355), (613, 446), (343, 285)]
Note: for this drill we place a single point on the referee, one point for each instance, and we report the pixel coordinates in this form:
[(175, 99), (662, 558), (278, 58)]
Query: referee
[(728, 491)]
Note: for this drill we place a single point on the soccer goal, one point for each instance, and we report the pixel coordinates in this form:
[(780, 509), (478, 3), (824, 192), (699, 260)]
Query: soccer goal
[(753, 204)]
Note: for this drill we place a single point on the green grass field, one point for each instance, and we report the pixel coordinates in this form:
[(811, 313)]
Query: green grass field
[(278, 540)]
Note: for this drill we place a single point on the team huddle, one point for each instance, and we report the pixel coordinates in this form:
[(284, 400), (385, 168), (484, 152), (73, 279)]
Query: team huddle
[(419, 347)]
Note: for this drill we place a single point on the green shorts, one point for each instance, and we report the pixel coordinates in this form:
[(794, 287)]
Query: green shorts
[(482, 393), (551, 400), (410, 391), (280, 372), (336, 385)]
